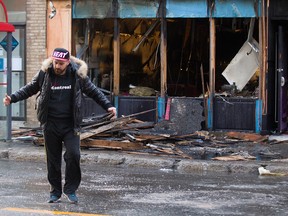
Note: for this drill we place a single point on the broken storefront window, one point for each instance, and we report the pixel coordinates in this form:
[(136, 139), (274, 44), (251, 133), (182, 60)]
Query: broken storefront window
[(187, 49)]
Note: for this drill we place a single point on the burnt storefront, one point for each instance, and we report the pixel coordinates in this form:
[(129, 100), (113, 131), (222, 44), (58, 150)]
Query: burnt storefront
[(197, 64)]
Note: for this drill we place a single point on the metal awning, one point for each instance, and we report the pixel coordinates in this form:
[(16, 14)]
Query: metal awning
[(101, 9), (6, 27)]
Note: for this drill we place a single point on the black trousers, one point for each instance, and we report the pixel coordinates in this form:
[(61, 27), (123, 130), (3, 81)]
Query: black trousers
[(56, 133)]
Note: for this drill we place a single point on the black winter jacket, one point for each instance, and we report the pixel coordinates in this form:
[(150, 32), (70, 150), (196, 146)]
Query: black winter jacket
[(42, 82)]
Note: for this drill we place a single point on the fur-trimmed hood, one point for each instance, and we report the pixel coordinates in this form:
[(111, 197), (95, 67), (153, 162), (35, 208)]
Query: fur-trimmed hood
[(80, 66)]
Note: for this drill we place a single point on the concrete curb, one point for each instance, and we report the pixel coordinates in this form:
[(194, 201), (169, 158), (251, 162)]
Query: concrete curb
[(29, 152)]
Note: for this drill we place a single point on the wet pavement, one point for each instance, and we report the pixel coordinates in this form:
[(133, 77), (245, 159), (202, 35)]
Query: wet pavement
[(119, 182), (119, 191)]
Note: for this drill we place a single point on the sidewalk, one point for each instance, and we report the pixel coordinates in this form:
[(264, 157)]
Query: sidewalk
[(27, 151)]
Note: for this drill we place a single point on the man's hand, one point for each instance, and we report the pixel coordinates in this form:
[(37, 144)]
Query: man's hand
[(114, 111), (6, 100)]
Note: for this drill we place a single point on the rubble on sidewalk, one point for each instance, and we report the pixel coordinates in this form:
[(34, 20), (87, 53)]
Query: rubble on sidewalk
[(131, 135)]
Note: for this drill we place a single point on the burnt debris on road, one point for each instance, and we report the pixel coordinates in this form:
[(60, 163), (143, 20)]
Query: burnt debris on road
[(129, 134)]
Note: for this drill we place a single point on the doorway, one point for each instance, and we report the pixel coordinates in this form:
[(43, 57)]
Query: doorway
[(281, 78)]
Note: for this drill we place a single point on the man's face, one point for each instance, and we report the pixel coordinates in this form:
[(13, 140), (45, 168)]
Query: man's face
[(60, 66)]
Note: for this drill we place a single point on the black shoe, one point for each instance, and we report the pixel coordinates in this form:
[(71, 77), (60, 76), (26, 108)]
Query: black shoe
[(54, 198), (72, 198)]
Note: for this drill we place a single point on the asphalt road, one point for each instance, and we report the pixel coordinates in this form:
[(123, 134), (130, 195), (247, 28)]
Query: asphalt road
[(114, 190)]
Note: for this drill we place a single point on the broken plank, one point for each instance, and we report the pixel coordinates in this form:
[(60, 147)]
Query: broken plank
[(24, 131), (152, 154), (39, 141), (137, 121), (141, 125), (103, 128), (112, 144), (155, 147), (152, 133), (182, 154), (174, 151), (230, 158), (104, 147), (143, 137), (130, 126), (247, 136), (139, 113), (98, 122)]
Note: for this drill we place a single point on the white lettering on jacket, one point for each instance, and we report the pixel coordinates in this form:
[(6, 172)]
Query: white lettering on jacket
[(60, 87)]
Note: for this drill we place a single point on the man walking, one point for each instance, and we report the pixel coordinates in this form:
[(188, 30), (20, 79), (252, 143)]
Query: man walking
[(61, 82)]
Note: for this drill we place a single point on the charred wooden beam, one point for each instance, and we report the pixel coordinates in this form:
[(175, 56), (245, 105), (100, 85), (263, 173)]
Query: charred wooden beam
[(173, 151), (131, 126), (112, 144), (103, 128)]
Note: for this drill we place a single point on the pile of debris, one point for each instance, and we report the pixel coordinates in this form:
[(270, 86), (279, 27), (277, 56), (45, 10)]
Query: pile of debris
[(131, 135)]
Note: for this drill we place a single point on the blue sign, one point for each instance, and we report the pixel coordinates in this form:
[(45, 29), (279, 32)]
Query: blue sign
[(1, 64), (3, 43)]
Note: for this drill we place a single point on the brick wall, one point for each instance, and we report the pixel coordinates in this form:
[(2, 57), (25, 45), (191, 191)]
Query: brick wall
[(35, 47)]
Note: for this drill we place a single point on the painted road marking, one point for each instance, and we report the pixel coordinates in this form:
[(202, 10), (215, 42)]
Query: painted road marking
[(23, 210)]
